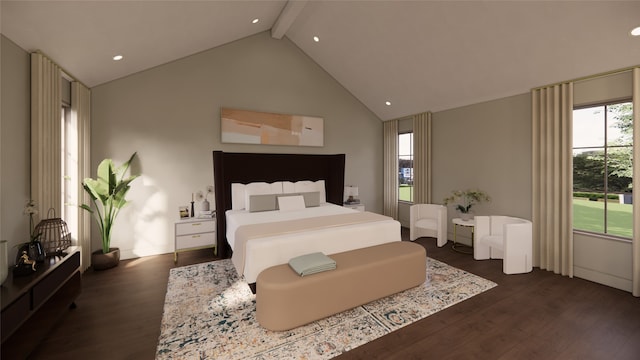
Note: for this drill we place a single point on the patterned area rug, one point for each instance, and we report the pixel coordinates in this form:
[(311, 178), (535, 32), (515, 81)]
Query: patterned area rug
[(209, 313)]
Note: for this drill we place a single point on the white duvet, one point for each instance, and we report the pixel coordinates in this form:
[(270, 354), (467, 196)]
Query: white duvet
[(275, 250)]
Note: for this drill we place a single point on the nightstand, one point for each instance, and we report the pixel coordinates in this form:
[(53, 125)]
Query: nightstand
[(194, 233), (359, 207)]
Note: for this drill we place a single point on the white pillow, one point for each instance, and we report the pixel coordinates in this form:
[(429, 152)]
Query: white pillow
[(311, 186), (323, 192), (261, 188), (291, 203), (288, 187), (237, 196)]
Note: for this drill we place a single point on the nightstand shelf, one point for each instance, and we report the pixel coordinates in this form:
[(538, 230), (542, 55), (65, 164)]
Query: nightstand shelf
[(193, 234)]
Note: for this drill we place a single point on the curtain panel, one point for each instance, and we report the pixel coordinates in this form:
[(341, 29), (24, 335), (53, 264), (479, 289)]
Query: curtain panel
[(552, 183), (46, 99), (635, 246), (81, 117), (390, 168), (422, 158)]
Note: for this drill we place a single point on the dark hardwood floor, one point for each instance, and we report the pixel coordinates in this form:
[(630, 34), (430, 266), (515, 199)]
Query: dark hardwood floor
[(531, 316)]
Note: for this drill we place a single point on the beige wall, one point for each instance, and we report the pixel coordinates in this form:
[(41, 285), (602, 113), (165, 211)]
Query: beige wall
[(485, 146), (171, 115), (15, 144)]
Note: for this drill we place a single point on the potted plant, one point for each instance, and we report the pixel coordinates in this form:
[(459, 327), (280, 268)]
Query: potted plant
[(466, 199), (108, 195)]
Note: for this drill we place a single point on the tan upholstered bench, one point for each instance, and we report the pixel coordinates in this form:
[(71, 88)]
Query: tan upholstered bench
[(285, 300)]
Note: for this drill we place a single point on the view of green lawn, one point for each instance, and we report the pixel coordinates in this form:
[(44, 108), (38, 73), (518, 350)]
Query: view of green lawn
[(405, 193), (589, 216)]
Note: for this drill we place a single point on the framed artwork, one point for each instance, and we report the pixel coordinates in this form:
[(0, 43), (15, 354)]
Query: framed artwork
[(252, 127)]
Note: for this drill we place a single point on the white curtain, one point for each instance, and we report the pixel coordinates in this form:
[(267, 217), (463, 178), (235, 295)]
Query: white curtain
[(81, 117), (552, 210), (422, 158), (635, 277), (46, 125), (390, 181)]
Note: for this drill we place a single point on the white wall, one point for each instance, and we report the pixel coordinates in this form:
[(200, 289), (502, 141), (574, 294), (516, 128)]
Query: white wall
[(171, 115), (15, 144)]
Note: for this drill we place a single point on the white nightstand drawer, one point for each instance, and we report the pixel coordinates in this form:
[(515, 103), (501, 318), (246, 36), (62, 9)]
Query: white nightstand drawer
[(195, 227), (194, 233), (195, 240)]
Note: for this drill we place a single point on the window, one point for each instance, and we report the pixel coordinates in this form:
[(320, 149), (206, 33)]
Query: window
[(69, 163), (405, 167), (602, 169)]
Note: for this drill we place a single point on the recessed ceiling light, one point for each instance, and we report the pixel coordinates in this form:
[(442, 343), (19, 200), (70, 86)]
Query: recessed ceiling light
[(316, 39), (255, 21), (117, 57), (388, 103), (636, 31)]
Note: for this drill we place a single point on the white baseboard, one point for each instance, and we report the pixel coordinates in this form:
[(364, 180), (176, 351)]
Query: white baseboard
[(602, 278)]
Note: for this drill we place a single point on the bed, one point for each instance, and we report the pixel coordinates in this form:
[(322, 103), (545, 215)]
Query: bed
[(271, 236)]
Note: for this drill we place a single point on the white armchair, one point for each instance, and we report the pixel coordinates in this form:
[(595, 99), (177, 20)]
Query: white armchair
[(507, 238), (428, 220)]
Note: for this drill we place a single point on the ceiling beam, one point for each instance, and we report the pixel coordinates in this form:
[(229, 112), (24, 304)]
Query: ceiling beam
[(287, 17)]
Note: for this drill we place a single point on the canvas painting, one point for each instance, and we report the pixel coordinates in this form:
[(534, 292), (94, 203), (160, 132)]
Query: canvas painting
[(252, 127)]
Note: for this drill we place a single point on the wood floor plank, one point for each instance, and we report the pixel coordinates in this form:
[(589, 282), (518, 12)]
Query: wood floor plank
[(539, 315)]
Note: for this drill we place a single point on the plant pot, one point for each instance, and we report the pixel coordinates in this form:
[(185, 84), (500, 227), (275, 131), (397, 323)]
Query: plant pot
[(102, 261), (466, 216)]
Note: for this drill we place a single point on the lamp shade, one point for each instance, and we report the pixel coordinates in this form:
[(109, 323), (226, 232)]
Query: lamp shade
[(350, 191)]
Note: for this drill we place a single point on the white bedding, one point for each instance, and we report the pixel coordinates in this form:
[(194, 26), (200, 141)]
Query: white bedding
[(274, 250)]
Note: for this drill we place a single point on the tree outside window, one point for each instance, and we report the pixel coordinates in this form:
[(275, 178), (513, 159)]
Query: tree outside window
[(602, 169)]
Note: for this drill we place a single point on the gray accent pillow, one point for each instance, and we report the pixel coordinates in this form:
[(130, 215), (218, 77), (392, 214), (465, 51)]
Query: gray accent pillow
[(266, 202)]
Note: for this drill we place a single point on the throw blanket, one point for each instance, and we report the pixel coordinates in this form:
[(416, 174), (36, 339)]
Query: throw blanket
[(312, 263), (263, 230)]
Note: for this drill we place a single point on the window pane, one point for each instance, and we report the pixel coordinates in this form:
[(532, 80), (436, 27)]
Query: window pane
[(588, 170), (588, 127), (405, 167), (620, 120), (588, 215), (602, 172)]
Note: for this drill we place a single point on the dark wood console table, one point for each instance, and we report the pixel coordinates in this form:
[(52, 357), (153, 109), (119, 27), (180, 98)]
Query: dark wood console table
[(32, 304)]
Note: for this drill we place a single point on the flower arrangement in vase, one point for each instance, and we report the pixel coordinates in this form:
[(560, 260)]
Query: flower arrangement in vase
[(465, 200), (33, 247), (204, 197)]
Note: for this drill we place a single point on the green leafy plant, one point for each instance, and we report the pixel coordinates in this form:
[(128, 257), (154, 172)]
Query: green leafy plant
[(107, 193), (467, 199)]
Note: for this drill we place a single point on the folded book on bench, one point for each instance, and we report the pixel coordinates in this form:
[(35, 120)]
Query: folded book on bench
[(311, 263)]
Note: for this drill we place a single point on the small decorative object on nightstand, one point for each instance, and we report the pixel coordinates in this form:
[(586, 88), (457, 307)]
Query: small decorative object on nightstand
[(193, 234)]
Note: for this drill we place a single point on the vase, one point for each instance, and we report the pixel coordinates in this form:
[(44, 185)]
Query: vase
[(4, 261), (205, 205), (466, 216)]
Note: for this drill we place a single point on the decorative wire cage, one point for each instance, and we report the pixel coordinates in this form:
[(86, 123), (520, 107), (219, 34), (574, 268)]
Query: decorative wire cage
[(54, 234)]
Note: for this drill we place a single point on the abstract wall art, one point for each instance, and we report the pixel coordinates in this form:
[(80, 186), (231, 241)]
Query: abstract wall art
[(252, 127)]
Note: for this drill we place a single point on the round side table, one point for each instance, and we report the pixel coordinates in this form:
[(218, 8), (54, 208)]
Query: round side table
[(462, 248)]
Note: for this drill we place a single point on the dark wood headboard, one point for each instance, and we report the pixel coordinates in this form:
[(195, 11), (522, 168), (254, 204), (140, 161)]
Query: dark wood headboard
[(252, 167)]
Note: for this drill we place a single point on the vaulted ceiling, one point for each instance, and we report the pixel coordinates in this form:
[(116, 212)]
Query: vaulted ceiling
[(419, 55)]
